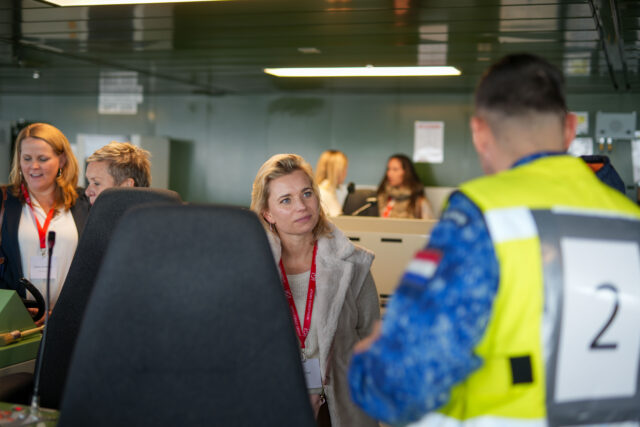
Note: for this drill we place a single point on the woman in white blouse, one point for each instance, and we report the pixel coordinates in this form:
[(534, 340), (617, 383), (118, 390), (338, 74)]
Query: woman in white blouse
[(41, 197), (331, 171)]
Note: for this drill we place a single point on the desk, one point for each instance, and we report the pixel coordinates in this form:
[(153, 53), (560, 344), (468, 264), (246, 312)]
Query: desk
[(394, 242), (27, 367), (19, 356)]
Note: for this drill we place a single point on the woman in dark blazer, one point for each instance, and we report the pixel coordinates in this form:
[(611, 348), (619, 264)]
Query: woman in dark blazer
[(41, 197)]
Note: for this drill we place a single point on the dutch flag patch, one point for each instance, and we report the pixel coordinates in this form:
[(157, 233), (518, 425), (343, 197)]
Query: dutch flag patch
[(425, 263)]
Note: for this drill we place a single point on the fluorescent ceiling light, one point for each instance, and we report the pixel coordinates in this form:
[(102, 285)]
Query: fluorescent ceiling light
[(363, 71), (112, 2)]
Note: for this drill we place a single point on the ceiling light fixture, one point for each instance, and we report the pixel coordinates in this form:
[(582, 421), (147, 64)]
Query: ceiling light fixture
[(113, 2), (308, 50), (368, 71)]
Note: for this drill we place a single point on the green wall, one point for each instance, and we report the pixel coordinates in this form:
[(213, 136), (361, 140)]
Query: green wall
[(219, 142)]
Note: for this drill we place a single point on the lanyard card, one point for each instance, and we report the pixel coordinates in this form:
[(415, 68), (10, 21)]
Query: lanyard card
[(38, 267), (312, 375)]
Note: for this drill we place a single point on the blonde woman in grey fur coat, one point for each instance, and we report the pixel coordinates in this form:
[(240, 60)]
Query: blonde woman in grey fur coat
[(327, 281)]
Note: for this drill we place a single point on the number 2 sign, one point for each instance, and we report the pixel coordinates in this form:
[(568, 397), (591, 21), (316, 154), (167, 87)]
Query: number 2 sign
[(599, 336)]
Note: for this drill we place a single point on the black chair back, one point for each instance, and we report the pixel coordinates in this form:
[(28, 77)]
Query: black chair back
[(67, 315), (187, 325)]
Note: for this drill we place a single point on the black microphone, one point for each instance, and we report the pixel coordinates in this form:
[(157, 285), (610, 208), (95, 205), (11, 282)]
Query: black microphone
[(51, 240), (351, 188), (371, 201), (35, 398)]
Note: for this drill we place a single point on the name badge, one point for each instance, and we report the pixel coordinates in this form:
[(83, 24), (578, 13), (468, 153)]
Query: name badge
[(312, 375), (38, 269)]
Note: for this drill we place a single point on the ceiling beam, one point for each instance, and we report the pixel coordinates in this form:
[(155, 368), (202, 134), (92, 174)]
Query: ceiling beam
[(607, 19)]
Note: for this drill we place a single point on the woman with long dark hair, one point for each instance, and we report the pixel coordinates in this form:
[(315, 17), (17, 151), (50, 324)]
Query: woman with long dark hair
[(401, 193)]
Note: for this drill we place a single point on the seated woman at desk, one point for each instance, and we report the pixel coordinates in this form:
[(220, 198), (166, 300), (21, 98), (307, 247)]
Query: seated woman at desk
[(331, 172), (313, 254), (117, 164), (400, 193)]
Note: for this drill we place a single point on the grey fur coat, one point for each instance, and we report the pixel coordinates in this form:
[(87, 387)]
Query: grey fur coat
[(347, 302)]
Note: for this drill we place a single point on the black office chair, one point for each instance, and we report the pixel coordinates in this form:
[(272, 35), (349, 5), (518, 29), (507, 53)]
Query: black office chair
[(66, 318), (361, 202), (64, 324), (187, 325)]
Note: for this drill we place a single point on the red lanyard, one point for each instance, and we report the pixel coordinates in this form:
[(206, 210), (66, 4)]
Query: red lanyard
[(42, 230), (311, 294), (388, 208)]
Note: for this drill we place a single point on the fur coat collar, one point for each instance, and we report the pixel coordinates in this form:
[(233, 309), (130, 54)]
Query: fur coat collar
[(334, 270), (347, 306)]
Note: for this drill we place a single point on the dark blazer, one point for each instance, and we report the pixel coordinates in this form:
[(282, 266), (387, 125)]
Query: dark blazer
[(10, 245)]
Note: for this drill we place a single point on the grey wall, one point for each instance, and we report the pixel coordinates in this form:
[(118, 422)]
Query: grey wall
[(222, 141)]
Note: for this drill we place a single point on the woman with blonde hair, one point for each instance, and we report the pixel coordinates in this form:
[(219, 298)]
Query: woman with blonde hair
[(331, 172), (326, 278), (117, 164), (41, 197)]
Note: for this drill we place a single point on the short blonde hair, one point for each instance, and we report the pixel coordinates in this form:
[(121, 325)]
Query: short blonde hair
[(331, 166), (276, 167), (125, 161), (66, 182)]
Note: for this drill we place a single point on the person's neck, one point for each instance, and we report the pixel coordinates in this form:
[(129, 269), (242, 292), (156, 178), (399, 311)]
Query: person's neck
[(46, 199), (517, 148), (531, 134), (297, 252)]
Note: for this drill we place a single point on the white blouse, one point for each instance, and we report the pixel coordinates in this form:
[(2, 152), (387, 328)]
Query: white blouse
[(65, 246), (329, 200), (341, 194)]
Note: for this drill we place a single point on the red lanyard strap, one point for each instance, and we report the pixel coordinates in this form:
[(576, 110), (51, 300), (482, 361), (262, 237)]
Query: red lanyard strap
[(42, 230), (388, 208), (311, 294)]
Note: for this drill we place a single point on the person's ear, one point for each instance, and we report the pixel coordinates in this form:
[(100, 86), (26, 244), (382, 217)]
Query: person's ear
[(129, 182), (63, 160), (485, 144), (570, 126), (267, 216), (480, 134)]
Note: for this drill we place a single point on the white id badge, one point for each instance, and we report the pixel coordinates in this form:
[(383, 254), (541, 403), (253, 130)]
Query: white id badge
[(38, 268), (312, 373)]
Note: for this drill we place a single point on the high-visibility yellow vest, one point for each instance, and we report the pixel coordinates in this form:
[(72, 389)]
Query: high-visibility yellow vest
[(510, 386)]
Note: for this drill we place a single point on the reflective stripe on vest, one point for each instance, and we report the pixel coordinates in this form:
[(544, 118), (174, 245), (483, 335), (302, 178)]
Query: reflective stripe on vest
[(436, 419)]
